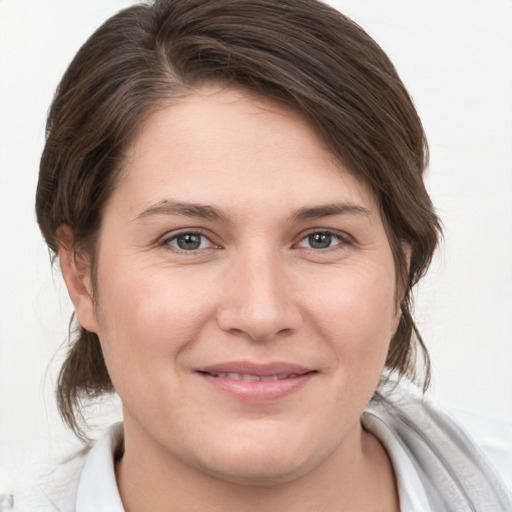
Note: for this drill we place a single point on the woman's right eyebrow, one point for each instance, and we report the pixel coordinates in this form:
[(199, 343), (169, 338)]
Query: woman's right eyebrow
[(184, 209)]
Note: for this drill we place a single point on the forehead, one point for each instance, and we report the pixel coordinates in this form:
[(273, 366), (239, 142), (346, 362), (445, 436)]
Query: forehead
[(218, 141), (212, 113)]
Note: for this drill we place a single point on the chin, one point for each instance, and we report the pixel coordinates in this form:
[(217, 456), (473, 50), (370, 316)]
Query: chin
[(260, 474), (252, 466)]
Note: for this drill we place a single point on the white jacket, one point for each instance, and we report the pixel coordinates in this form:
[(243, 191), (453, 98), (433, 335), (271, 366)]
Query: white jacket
[(437, 466)]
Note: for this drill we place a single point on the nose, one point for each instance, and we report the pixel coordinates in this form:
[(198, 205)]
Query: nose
[(259, 301)]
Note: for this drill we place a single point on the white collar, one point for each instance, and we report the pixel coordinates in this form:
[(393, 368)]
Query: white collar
[(411, 492), (97, 489), (428, 451)]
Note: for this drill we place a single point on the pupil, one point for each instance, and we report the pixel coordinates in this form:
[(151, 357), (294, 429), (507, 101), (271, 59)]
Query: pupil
[(320, 240), (189, 241)]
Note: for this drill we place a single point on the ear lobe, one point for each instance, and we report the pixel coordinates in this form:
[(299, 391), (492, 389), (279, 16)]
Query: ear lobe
[(76, 271), (407, 250), (402, 286)]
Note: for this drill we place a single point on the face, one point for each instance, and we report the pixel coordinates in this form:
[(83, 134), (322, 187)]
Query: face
[(245, 291)]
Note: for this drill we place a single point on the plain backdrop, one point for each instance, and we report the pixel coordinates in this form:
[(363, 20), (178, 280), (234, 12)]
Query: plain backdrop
[(455, 56)]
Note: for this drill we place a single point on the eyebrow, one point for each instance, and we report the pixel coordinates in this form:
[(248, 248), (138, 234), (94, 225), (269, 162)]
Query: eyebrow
[(194, 210), (201, 211), (317, 212)]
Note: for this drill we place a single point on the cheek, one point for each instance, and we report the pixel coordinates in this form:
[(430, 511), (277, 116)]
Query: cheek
[(147, 321), (357, 313)]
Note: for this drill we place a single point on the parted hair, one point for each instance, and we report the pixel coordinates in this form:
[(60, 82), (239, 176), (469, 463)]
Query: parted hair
[(302, 53)]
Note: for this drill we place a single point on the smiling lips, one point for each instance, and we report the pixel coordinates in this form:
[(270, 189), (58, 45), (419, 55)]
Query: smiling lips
[(253, 378), (257, 384)]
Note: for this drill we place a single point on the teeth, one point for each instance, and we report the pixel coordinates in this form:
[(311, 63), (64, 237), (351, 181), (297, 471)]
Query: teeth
[(253, 378), (246, 377)]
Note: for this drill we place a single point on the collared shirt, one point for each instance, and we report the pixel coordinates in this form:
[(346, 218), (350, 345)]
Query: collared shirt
[(437, 466)]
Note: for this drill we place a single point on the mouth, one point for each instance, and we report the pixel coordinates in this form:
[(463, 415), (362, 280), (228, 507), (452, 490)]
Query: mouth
[(248, 377), (251, 372), (256, 383)]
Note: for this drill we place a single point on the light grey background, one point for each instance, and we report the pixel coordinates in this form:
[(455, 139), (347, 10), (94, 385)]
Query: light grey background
[(455, 56)]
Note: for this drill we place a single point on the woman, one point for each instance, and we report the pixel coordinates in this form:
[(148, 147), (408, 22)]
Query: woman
[(234, 192)]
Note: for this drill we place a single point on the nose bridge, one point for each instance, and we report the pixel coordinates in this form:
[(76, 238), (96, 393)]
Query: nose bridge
[(259, 301)]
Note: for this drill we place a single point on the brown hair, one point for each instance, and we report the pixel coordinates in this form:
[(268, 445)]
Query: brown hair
[(300, 52)]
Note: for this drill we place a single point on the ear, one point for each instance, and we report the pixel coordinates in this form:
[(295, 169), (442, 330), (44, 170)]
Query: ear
[(407, 251), (76, 271)]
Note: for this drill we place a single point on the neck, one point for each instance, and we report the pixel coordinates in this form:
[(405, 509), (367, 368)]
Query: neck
[(357, 476)]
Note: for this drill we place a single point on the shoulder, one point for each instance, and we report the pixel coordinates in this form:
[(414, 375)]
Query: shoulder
[(49, 487), (451, 468), (84, 481)]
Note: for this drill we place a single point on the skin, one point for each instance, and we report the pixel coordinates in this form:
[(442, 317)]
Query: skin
[(255, 290)]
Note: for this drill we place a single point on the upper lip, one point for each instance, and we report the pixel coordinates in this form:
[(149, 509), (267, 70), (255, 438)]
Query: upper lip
[(261, 370)]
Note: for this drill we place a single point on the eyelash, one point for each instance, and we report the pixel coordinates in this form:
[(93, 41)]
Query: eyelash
[(342, 238), (167, 241)]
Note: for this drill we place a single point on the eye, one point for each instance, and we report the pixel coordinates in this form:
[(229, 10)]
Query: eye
[(189, 241), (322, 240)]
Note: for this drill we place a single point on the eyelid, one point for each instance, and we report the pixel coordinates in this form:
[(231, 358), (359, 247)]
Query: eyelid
[(165, 240), (343, 237)]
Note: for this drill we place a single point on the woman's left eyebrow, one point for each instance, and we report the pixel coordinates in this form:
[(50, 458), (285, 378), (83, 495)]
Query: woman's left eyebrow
[(327, 210)]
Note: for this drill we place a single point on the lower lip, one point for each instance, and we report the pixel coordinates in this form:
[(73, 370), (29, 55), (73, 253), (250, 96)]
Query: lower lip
[(258, 392)]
